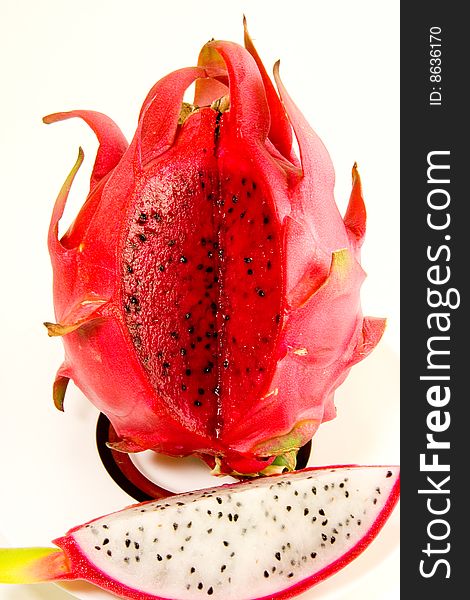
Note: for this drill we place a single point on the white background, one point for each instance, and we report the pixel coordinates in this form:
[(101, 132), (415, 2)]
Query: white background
[(339, 61)]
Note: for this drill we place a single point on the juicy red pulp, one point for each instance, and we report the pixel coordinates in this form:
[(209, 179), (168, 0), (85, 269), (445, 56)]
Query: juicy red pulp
[(202, 277)]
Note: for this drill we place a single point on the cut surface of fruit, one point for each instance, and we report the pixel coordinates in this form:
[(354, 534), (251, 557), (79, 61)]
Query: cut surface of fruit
[(271, 537)]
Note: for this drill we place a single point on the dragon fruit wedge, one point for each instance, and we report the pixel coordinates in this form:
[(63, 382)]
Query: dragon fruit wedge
[(271, 537), (208, 290)]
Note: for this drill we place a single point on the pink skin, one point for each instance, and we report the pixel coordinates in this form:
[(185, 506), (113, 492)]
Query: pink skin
[(81, 568), (279, 361)]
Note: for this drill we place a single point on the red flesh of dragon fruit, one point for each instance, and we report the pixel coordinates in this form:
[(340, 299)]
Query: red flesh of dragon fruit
[(208, 291), (268, 538)]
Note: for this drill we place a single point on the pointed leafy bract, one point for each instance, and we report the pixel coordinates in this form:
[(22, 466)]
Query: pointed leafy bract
[(207, 293)]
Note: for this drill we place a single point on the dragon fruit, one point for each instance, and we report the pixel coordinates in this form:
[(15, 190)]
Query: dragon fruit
[(208, 290), (270, 537)]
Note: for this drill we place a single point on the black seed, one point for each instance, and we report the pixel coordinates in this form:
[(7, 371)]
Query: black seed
[(247, 259), (175, 526), (209, 530), (214, 306), (171, 243), (137, 558), (203, 241), (375, 501), (97, 548), (183, 259), (219, 500), (243, 180), (305, 512), (126, 559), (105, 541), (261, 293), (222, 568), (288, 508), (188, 372), (197, 403), (389, 474), (166, 365), (249, 272), (157, 217), (226, 317), (183, 387), (268, 264), (332, 539), (291, 575), (210, 591), (313, 554), (187, 315), (199, 586), (192, 570), (341, 485), (230, 210), (359, 521), (142, 217), (209, 270), (346, 494), (182, 351), (226, 543), (324, 537), (129, 269), (266, 574), (134, 300), (321, 512), (226, 363), (314, 490), (142, 237), (242, 214), (201, 391), (266, 220), (278, 555), (161, 268), (325, 522), (189, 524), (174, 335), (168, 556)]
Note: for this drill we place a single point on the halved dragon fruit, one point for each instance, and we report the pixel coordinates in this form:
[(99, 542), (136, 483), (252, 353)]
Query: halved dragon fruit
[(271, 537), (208, 291)]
